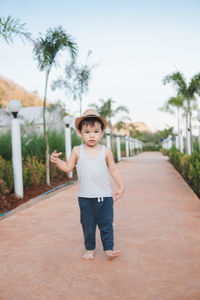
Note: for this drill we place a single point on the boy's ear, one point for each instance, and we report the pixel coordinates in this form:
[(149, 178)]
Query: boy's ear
[(79, 133)]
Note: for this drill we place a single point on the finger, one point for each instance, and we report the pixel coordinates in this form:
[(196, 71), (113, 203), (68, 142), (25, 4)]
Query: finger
[(56, 155)]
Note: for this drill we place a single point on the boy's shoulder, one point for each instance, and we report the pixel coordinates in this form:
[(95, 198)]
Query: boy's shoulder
[(108, 151), (76, 150)]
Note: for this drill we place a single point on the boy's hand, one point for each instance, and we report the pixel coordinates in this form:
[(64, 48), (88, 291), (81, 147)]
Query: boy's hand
[(55, 156), (118, 194)]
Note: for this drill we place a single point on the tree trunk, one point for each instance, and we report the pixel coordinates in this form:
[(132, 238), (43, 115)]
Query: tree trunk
[(179, 139), (80, 97), (186, 126), (191, 139), (111, 135), (45, 133), (190, 125)]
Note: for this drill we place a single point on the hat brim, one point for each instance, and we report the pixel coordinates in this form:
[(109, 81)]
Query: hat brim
[(78, 120)]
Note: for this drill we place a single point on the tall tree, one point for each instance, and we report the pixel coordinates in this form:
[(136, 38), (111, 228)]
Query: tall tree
[(187, 90), (173, 106), (45, 51), (76, 81), (10, 27)]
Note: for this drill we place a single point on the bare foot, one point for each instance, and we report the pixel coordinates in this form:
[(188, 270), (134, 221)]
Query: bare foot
[(88, 255), (110, 254)]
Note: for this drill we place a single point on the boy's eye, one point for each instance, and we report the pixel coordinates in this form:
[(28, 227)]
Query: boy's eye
[(96, 131)]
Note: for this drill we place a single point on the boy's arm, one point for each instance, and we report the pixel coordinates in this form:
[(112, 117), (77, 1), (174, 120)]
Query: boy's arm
[(63, 165), (115, 174)]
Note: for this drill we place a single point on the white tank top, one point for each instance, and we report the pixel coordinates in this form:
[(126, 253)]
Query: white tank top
[(93, 175)]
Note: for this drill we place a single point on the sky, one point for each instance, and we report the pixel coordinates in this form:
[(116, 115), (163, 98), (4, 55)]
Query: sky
[(134, 45)]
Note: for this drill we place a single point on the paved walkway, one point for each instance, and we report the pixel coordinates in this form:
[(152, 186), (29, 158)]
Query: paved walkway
[(157, 228)]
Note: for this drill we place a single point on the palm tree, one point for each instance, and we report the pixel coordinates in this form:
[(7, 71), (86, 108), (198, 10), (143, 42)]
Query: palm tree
[(120, 125), (173, 104), (76, 81), (187, 91), (9, 27), (45, 52), (132, 130)]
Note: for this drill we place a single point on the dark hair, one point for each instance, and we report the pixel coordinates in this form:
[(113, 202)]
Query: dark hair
[(90, 121)]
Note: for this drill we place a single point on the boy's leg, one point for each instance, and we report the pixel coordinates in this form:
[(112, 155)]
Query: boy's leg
[(105, 224), (88, 222)]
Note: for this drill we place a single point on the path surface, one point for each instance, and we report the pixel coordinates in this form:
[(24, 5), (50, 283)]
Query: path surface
[(157, 228)]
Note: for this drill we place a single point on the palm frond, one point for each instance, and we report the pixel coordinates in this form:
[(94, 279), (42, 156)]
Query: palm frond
[(47, 47), (10, 27), (178, 81)]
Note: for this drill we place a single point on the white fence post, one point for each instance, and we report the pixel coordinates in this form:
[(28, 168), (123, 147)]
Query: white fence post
[(118, 147), (127, 147), (14, 107), (108, 138), (68, 144)]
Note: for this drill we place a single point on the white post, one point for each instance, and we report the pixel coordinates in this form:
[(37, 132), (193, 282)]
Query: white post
[(118, 147), (177, 142), (181, 143), (133, 146), (137, 145), (129, 145), (68, 143), (14, 106), (163, 144), (127, 150), (188, 141), (17, 158), (169, 142), (108, 138)]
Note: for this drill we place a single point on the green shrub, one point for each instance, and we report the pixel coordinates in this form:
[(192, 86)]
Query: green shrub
[(34, 145), (6, 176), (194, 171), (151, 148), (33, 171), (6, 146), (185, 165), (196, 144), (175, 159), (164, 151)]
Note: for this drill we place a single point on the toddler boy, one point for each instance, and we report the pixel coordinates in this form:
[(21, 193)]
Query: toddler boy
[(93, 161)]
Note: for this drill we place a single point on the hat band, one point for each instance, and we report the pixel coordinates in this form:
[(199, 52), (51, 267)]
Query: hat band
[(91, 116)]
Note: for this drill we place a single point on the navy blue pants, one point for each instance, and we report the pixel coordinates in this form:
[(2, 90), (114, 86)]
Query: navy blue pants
[(93, 212)]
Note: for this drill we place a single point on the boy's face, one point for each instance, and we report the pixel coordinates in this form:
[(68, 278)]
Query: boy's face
[(91, 134)]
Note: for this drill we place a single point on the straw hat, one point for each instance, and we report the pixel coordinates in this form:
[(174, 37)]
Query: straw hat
[(90, 113)]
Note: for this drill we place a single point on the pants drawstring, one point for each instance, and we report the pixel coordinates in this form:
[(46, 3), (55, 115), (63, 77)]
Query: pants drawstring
[(100, 199)]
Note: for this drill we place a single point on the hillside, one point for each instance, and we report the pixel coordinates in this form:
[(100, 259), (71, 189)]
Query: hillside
[(140, 126), (9, 90)]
